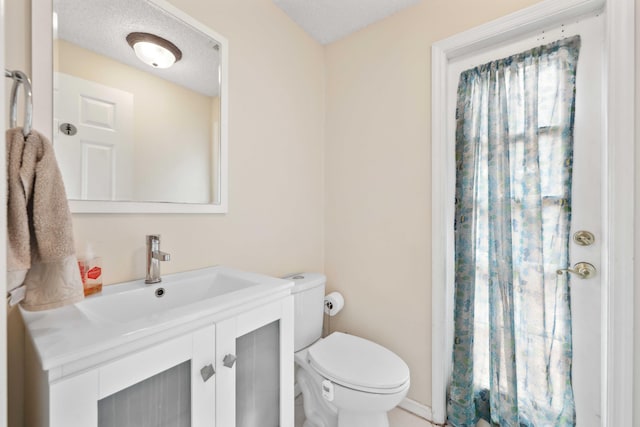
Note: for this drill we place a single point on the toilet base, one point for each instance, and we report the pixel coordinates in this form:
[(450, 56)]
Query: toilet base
[(349, 408), (318, 412), (359, 419)]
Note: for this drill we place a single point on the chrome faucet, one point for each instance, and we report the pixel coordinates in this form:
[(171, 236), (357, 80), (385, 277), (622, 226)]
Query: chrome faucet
[(154, 256)]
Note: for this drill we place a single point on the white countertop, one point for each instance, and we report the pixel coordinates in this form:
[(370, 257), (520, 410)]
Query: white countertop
[(74, 337)]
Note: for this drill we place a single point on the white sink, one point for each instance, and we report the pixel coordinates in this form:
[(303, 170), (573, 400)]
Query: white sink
[(134, 300), (131, 315)]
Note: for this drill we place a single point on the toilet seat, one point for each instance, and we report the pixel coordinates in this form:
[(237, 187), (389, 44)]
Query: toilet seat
[(359, 364)]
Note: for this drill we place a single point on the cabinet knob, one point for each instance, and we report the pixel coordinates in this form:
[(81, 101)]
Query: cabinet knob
[(207, 372), (229, 360)]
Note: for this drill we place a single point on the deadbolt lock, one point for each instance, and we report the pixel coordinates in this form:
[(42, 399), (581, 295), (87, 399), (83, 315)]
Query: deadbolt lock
[(584, 238)]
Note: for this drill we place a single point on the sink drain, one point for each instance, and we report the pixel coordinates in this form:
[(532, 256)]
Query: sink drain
[(160, 292)]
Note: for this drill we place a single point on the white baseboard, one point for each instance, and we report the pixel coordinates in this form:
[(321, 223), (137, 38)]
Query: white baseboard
[(416, 408)]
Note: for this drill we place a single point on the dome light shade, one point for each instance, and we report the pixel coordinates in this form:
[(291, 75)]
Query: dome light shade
[(154, 50)]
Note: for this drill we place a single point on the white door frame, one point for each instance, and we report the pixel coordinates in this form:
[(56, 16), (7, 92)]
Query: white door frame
[(618, 190)]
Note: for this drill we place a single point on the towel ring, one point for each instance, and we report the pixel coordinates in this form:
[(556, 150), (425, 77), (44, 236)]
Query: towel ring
[(20, 78)]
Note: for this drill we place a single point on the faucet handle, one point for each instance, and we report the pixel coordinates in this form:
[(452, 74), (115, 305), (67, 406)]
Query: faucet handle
[(161, 256)]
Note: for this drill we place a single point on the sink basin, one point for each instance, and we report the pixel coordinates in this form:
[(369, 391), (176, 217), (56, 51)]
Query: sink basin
[(135, 300), (133, 315)]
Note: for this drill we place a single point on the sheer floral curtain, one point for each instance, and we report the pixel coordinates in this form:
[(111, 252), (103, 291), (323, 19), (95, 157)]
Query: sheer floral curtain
[(514, 144)]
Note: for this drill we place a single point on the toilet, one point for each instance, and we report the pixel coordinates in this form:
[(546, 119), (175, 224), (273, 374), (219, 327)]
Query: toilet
[(345, 380)]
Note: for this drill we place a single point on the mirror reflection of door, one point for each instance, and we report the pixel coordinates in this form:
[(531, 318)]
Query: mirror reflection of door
[(97, 161)]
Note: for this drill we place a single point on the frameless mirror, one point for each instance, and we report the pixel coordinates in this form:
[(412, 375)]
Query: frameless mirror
[(134, 136)]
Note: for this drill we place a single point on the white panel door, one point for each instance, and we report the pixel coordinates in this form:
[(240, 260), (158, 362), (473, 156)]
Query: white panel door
[(587, 208), (587, 202), (96, 162)]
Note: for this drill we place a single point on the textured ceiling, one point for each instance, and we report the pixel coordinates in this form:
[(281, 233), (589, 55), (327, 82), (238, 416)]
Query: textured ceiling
[(102, 26), (330, 20)]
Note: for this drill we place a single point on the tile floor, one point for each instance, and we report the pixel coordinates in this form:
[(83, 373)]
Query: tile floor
[(401, 418), (397, 418)]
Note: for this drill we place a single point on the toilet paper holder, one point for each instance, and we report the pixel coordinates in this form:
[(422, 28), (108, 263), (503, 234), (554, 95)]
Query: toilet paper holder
[(333, 303)]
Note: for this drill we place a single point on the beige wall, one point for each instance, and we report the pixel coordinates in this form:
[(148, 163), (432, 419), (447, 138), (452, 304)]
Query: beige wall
[(378, 175), (180, 171), (636, 364)]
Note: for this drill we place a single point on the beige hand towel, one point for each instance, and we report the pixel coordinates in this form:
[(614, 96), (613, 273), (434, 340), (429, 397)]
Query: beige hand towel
[(40, 248)]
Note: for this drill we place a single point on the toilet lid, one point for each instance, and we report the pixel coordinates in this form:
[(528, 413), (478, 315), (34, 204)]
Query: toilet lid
[(359, 364)]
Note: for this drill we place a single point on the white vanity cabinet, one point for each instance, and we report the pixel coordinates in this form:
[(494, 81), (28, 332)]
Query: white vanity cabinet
[(229, 364), (258, 389), (107, 395)]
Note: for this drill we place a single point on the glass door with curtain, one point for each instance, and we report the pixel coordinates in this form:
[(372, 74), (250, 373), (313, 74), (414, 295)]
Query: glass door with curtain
[(582, 208)]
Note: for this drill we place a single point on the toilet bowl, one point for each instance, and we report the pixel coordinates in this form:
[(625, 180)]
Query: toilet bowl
[(346, 381)]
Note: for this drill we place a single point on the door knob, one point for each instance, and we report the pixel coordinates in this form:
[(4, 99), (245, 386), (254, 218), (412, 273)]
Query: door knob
[(584, 270), (229, 360), (68, 129)]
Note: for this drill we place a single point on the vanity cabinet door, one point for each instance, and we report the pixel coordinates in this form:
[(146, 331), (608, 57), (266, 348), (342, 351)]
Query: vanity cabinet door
[(164, 385), (254, 358)]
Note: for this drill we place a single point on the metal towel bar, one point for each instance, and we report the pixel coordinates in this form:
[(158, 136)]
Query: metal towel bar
[(20, 78)]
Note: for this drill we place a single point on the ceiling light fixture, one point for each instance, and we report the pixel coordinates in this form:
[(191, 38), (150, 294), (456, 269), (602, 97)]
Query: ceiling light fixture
[(154, 50)]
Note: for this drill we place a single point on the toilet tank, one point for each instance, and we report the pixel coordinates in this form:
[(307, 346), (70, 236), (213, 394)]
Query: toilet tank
[(308, 302)]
